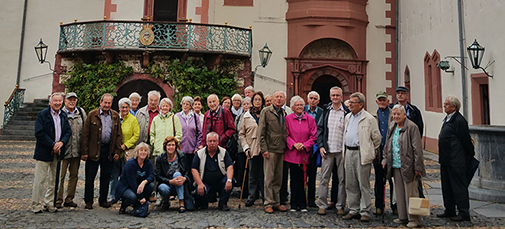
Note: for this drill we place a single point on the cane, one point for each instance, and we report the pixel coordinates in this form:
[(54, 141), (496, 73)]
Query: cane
[(384, 198), (57, 182), (305, 180), (243, 182)]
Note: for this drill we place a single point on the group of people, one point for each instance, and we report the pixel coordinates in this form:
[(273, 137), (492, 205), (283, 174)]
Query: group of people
[(151, 151)]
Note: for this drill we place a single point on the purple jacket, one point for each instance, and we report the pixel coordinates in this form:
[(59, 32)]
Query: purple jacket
[(304, 131), (191, 134)]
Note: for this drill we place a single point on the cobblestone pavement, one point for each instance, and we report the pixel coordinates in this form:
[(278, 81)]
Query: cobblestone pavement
[(16, 176)]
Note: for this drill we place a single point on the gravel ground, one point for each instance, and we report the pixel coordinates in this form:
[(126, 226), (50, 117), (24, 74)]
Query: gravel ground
[(16, 176)]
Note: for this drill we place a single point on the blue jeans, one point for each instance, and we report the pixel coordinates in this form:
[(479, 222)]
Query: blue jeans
[(130, 197), (224, 196), (167, 190), (117, 168)]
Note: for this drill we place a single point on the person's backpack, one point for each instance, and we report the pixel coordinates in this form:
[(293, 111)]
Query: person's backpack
[(142, 210)]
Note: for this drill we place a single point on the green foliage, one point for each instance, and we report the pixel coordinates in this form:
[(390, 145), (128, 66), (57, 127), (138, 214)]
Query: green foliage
[(91, 81), (193, 78)]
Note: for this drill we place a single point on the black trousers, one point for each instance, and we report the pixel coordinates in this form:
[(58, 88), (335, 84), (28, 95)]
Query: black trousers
[(239, 169), (298, 200), (91, 169), (380, 182), (311, 178), (255, 178), (189, 160), (284, 187), (455, 190)]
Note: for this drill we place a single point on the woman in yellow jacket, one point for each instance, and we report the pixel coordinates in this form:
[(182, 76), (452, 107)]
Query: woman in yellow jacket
[(163, 125), (131, 132)]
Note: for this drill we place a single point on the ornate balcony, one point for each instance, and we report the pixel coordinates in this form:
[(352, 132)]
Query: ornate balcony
[(135, 36)]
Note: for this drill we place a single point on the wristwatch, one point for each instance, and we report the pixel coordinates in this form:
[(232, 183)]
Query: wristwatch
[(229, 180)]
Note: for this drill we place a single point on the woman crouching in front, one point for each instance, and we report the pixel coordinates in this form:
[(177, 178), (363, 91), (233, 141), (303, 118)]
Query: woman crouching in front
[(136, 182), (403, 156)]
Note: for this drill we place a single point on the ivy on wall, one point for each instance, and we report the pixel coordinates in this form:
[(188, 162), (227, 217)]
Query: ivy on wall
[(91, 81)]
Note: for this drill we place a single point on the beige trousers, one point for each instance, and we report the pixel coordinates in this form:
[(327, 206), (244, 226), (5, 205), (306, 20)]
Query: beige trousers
[(272, 167), (357, 183), (332, 159), (403, 188), (45, 175), (72, 164)]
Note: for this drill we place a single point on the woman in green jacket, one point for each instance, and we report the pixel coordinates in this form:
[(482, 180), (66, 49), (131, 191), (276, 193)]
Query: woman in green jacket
[(163, 125)]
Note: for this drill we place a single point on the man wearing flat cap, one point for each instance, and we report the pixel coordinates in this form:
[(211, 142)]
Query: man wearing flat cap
[(413, 113), (76, 116), (384, 116)]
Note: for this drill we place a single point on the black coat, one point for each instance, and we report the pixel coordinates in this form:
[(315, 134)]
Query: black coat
[(322, 125), (162, 167), (44, 132), (455, 146)]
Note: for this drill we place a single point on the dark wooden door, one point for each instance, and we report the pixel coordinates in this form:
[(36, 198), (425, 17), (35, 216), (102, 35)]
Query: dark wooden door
[(165, 10), (140, 86), (322, 85)]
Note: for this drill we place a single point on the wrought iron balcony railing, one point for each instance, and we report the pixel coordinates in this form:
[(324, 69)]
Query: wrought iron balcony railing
[(102, 35)]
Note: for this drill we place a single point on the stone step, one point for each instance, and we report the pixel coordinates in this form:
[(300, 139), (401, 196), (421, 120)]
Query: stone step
[(20, 122), (23, 118), (11, 126), (17, 137), (19, 132)]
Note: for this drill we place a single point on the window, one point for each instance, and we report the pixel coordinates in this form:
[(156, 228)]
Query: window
[(432, 82)]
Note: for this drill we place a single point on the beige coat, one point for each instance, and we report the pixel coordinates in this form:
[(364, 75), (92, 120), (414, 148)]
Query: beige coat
[(411, 151), (248, 135), (74, 144), (369, 136)]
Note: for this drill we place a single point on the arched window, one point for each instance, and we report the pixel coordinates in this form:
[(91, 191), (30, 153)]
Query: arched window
[(432, 82)]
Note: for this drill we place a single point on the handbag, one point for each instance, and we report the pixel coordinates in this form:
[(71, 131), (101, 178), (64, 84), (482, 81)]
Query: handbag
[(142, 210), (417, 205), (129, 154)]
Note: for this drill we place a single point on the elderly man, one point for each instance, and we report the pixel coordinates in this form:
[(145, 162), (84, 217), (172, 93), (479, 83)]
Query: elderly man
[(52, 132), (384, 117), (272, 136), (212, 170), (413, 113), (361, 139), (101, 142), (313, 110), (219, 120), (76, 116), (249, 91), (455, 149), (146, 114), (330, 133)]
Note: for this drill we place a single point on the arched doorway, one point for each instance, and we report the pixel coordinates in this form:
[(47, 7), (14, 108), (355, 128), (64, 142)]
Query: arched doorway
[(140, 86), (322, 85)]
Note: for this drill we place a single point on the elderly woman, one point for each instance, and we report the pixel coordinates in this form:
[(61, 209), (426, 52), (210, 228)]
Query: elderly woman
[(226, 102), (239, 166), (136, 183), (171, 173), (197, 108), (131, 132), (301, 135), (191, 130), (236, 108), (163, 125), (135, 101), (268, 100), (403, 156), (247, 132)]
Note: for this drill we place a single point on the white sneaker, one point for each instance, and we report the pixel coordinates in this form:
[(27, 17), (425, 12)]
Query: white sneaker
[(304, 210), (292, 210)]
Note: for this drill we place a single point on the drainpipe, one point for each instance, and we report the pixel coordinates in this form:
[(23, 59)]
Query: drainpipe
[(397, 30), (21, 43), (462, 58)]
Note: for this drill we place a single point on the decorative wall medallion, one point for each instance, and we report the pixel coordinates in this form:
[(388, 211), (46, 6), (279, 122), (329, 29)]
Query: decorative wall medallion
[(146, 35)]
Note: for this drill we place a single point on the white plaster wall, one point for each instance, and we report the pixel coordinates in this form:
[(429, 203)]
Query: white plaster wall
[(191, 10), (376, 52), (11, 18), (131, 10), (483, 21), (268, 22)]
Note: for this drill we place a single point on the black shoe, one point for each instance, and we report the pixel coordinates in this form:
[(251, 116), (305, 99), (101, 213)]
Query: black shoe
[(182, 209), (249, 203), (446, 215), (88, 206), (224, 207), (165, 205), (70, 204), (105, 205), (312, 204), (122, 211), (459, 218)]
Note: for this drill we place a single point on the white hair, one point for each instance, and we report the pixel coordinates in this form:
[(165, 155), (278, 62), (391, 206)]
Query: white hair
[(135, 95), (141, 145), (236, 96), (313, 93), (166, 100), (283, 92), (250, 88), (246, 100), (212, 134), (454, 101), (124, 100), (55, 94), (155, 93), (295, 99), (399, 107), (187, 99), (213, 95)]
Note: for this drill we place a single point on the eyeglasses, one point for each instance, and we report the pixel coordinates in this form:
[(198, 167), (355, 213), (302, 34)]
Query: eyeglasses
[(353, 102)]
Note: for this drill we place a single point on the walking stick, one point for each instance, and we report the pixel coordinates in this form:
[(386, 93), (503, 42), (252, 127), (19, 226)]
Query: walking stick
[(57, 182), (305, 179), (243, 182), (384, 198)]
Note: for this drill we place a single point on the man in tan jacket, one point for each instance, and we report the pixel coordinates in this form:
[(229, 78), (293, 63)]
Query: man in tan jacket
[(272, 136), (361, 138)]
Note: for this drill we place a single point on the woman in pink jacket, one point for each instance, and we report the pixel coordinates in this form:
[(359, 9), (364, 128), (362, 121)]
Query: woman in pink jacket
[(302, 133)]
